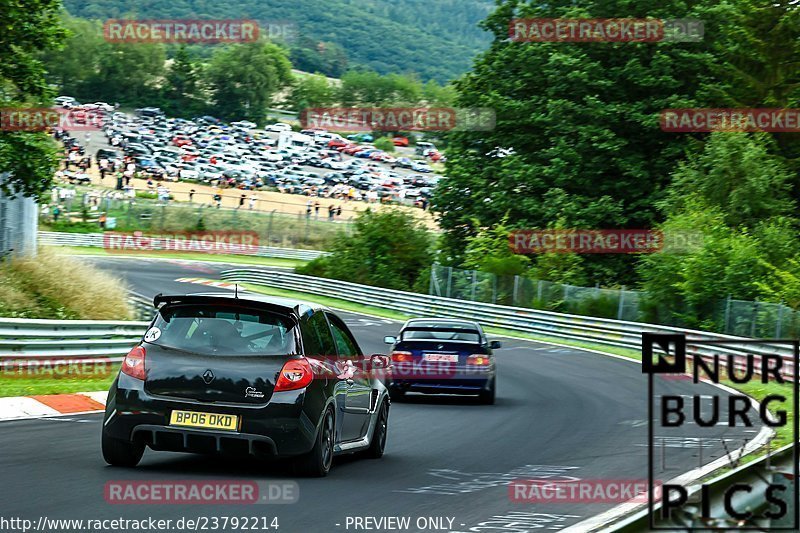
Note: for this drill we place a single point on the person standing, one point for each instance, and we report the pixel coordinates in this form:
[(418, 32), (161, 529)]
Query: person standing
[(241, 200), (191, 196), (339, 211), (331, 211), (316, 210), (308, 209), (253, 200)]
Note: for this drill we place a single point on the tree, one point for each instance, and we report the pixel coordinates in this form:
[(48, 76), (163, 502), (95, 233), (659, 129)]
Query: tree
[(311, 91), (735, 196), (182, 89), (384, 143), (244, 78), (387, 249), (128, 72), (577, 138), (27, 159), (77, 61)]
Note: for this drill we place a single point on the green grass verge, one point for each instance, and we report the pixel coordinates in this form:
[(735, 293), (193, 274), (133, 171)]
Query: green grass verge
[(208, 258), (23, 382)]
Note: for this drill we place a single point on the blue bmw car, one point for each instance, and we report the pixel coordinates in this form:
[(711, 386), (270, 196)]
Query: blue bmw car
[(443, 356)]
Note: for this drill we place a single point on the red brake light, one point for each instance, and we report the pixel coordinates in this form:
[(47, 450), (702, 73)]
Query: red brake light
[(295, 374), (402, 357), (479, 359), (133, 364)]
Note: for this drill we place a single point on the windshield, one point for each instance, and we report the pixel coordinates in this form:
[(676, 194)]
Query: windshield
[(215, 330)]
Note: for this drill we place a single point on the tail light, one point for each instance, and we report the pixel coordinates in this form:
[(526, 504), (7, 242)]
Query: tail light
[(402, 357), (133, 364), (295, 374), (479, 359)]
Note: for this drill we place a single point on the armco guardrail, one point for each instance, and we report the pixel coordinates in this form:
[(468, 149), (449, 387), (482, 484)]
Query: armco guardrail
[(556, 325), (95, 240), (776, 468), (45, 341)]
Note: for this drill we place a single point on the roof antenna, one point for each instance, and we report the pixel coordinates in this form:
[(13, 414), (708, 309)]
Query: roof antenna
[(236, 291)]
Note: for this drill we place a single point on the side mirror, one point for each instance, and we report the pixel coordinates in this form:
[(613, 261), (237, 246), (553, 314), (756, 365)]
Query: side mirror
[(494, 345), (389, 339)]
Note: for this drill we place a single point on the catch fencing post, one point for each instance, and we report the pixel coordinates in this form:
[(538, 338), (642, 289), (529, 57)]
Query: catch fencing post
[(474, 284), (727, 314), (449, 280), (621, 302), (516, 290)]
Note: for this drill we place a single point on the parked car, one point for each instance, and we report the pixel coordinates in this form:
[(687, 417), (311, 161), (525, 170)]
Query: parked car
[(361, 137), (422, 147), (278, 127)]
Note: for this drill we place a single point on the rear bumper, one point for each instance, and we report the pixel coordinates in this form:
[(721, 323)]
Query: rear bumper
[(286, 426), (471, 381), (166, 438)]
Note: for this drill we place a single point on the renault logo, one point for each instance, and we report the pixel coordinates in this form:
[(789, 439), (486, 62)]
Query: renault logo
[(208, 377)]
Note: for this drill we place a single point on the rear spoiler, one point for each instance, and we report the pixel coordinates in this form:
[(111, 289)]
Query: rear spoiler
[(447, 330), (292, 313)]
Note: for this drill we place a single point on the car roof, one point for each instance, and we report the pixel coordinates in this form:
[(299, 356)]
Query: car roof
[(288, 305)]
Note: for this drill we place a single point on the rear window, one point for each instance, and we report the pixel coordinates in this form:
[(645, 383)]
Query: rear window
[(441, 331), (223, 330)]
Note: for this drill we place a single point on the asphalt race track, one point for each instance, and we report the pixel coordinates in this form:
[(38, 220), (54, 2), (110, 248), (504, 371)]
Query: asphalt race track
[(560, 414)]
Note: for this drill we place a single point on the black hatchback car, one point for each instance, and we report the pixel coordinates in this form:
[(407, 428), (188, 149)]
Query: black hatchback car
[(268, 377), (443, 356)]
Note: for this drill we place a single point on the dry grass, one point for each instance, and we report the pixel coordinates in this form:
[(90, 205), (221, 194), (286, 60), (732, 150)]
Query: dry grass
[(60, 287)]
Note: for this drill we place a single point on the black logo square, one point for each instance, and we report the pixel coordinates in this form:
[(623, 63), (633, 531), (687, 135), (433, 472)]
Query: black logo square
[(670, 350)]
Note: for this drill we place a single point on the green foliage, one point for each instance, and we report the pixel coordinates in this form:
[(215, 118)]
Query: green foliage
[(27, 159), (434, 39), (326, 58), (311, 91), (243, 79), (384, 143), (737, 174), (577, 140), (738, 206), (489, 251), (182, 92), (387, 249)]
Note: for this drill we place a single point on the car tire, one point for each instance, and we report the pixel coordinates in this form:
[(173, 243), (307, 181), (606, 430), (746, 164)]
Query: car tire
[(117, 452), (486, 397), (397, 395), (378, 443), (317, 462)]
